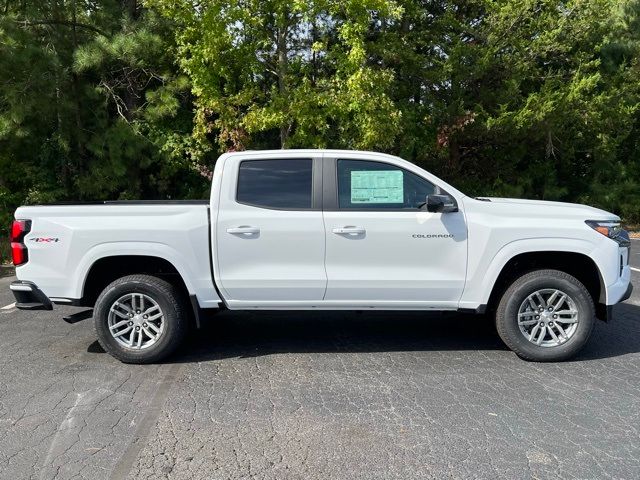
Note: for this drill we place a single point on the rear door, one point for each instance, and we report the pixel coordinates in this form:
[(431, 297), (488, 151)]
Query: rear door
[(383, 250), (270, 231)]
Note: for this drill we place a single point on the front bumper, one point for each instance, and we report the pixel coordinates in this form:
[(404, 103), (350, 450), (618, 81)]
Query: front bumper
[(29, 296), (605, 312)]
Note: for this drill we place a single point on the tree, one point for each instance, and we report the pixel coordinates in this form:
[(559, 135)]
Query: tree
[(92, 105), (280, 73)]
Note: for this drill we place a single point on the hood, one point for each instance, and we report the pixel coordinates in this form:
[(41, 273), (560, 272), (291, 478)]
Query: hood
[(571, 209)]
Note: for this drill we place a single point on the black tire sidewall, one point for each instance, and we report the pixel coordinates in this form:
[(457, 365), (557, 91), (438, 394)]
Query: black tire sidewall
[(162, 293), (507, 317)]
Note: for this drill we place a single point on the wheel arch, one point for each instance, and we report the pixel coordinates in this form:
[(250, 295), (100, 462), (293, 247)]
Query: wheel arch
[(197, 279), (579, 265), (108, 268)]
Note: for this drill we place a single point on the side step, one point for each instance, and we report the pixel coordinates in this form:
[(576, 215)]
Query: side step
[(78, 317)]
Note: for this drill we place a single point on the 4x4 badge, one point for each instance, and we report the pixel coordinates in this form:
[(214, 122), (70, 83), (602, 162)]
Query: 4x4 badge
[(44, 239)]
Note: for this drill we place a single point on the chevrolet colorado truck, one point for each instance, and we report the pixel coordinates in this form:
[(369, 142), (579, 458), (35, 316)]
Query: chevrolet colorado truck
[(323, 229)]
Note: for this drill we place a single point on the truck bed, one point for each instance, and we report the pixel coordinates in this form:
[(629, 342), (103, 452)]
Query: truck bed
[(66, 240)]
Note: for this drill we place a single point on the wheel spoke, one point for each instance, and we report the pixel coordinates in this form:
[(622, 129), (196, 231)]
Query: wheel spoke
[(149, 333), (119, 324), (151, 309), (552, 298), (123, 306), (120, 314), (139, 339), (560, 302), (563, 334), (540, 299), (122, 332), (528, 322), (553, 335), (567, 320), (532, 303), (153, 326), (535, 329), (543, 333)]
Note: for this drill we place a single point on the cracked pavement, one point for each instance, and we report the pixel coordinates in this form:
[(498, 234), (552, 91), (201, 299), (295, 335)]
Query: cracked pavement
[(280, 395)]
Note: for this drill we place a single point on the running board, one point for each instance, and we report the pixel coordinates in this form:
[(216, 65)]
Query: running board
[(78, 317)]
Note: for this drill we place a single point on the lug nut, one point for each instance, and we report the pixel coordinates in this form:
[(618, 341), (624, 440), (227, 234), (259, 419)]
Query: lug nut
[(130, 315), (145, 316), (537, 317), (542, 324), (550, 309), (144, 324), (555, 316), (137, 328), (137, 311), (130, 323), (551, 324)]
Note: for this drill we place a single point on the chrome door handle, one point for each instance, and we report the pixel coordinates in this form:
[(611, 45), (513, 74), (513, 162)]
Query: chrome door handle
[(349, 231), (246, 230)]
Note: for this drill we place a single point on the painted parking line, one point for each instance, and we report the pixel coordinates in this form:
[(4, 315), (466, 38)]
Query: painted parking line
[(8, 307), (635, 269)]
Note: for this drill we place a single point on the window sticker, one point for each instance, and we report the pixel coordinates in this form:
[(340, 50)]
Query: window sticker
[(377, 186)]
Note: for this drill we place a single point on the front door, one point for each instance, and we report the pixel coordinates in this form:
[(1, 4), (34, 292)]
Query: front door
[(270, 232), (383, 250)]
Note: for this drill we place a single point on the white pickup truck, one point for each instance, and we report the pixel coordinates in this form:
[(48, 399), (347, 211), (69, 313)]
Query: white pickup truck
[(323, 229)]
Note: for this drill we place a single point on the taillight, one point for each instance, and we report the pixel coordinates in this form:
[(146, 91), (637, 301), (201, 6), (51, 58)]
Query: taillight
[(19, 230)]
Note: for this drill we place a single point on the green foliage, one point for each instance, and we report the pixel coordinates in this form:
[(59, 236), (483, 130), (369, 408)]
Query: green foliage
[(297, 68), (117, 99), (92, 106)]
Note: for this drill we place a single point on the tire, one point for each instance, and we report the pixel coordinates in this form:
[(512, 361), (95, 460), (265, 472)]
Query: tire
[(144, 291), (516, 308)]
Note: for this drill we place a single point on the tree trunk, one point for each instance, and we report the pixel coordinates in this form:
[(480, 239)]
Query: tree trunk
[(130, 7), (75, 89), (454, 154), (130, 96), (283, 67)]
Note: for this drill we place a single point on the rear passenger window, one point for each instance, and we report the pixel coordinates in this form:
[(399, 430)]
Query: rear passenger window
[(282, 184)]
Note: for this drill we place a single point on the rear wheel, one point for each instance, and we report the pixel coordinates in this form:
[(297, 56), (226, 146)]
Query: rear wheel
[(545, 315), (140, 319)]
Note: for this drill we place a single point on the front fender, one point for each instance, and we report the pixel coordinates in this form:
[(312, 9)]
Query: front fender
[(482, 277)]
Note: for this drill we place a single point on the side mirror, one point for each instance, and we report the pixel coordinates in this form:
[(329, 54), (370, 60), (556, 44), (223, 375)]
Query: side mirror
[(441, 204)]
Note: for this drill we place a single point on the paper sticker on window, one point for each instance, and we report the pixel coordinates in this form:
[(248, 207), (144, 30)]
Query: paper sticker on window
[(377, 186)]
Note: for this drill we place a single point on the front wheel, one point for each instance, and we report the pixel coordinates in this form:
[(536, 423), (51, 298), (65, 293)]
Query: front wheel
[(140, 319), (545, 316)]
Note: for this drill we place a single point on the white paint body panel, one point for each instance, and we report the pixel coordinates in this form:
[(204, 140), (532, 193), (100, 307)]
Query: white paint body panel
[(297, 262), (284, 261), (86, 233), (390, 263)]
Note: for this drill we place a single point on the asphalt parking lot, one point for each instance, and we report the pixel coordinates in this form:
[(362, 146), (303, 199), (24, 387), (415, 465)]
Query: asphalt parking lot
[(318, 395)]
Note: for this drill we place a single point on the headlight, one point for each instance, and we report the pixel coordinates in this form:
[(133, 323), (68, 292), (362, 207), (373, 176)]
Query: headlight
[(610, 229)]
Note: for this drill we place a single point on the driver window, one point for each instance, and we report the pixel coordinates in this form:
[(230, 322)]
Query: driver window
[(366, 185)]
